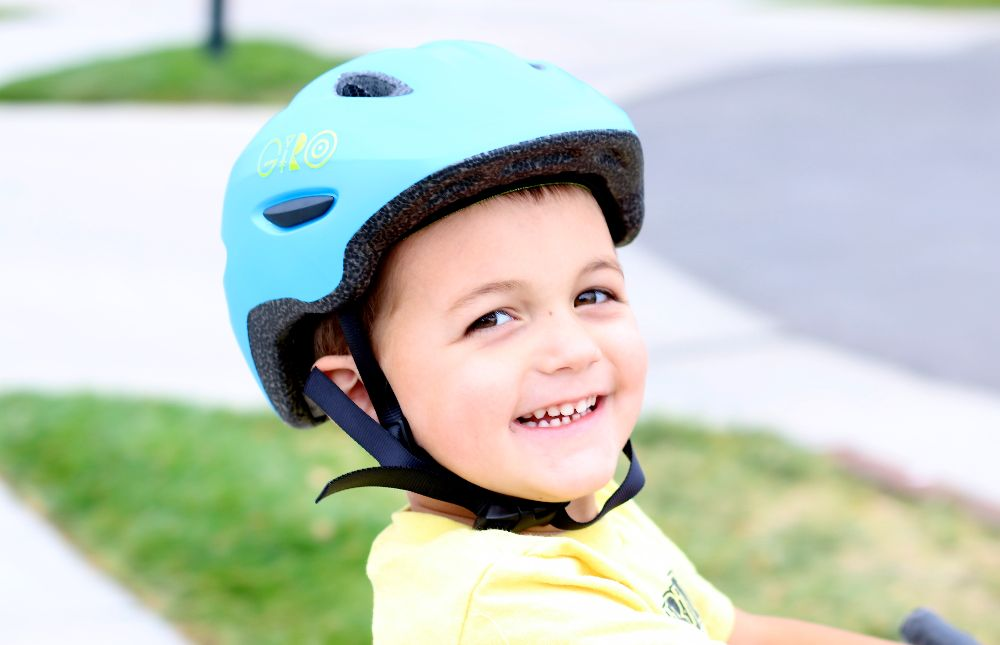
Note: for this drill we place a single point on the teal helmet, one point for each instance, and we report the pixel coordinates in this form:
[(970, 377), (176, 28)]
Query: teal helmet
[(384, 144)]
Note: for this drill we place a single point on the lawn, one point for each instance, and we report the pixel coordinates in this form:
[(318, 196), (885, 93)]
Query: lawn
[(252, 71), (207, 515), (9, 12)]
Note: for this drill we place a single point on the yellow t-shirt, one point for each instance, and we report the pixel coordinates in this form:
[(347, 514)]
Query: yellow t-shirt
[(620, 580)]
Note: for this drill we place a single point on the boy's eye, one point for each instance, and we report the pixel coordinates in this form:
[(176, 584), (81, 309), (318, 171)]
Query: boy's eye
[(592, 297), (492, 319)]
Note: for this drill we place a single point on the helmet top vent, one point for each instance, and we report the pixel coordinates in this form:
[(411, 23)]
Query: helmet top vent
[(370, 85)]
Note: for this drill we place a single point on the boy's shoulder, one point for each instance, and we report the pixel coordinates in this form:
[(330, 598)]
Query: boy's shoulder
[(423, 543), (421, 546), (416, 540), (425, 566)]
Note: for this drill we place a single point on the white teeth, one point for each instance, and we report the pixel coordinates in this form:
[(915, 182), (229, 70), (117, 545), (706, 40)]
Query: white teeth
[(560, 414)]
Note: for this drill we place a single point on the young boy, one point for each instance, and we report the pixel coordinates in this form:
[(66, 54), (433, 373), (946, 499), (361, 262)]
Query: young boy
[(433, 232)]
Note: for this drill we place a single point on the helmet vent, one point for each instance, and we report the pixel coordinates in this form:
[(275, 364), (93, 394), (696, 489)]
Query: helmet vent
[(370, 85), (299, 211)]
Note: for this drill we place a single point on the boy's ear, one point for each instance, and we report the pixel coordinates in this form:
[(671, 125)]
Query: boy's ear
[(343, 371)]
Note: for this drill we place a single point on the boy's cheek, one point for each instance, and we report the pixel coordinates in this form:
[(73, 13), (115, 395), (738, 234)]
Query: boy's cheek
[(626, 344), (641, 357)]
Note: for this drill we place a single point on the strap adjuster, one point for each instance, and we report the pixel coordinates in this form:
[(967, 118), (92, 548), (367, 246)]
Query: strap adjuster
[(518, 518)]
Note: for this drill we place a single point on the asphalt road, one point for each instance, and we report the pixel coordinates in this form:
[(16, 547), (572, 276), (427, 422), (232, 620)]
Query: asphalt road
[(858, 203)]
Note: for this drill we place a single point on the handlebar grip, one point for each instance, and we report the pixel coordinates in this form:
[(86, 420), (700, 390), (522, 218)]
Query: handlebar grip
[(924, 627)]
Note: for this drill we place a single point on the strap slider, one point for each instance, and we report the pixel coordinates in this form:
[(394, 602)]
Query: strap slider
[(517, 518)]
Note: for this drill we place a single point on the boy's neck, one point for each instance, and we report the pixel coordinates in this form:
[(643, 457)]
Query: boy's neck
[(581, 510)]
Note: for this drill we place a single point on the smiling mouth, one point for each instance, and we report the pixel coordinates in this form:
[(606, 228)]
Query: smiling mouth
[(558, 415)]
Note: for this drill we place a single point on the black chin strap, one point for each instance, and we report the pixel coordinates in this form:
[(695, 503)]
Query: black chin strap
[(406, 466)]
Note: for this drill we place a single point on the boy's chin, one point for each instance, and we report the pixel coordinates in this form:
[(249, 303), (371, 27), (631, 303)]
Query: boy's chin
[(571, 487)]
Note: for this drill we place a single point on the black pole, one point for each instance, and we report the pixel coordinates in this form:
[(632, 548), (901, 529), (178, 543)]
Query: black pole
[(216, 39)]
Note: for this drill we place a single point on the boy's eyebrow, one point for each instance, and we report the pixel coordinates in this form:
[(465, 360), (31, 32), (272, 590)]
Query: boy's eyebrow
[(503, 286), (603, 263), (486, 289)]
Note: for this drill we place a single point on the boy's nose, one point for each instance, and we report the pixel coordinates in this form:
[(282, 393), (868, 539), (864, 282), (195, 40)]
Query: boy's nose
[(566, 344)]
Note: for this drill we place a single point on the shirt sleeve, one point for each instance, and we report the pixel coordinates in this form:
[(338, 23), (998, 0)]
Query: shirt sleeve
[(714, 607), (553, 600)]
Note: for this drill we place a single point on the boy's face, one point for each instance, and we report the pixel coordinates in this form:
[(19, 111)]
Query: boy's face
[(508, 308)]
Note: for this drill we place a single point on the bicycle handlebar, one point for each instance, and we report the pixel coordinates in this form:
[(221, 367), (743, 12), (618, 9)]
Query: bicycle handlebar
[(924, 627)]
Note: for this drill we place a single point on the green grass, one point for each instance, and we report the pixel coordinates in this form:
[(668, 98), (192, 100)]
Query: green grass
[(10, 12), (207, 515), (267, 72)]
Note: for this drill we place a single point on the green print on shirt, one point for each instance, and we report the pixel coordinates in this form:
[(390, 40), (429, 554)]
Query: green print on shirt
[(677, 604)]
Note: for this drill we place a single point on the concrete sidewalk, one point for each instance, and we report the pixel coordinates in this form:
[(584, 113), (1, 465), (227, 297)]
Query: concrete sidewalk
[(625, 48), (116, 242), (49, 595)]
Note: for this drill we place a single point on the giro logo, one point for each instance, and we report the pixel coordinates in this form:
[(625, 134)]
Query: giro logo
[(295, 150)]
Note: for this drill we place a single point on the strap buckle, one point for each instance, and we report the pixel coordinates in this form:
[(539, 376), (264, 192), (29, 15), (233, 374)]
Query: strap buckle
[(517, 518)]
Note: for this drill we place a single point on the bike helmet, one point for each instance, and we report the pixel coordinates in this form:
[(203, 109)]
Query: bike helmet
[(363, 156)]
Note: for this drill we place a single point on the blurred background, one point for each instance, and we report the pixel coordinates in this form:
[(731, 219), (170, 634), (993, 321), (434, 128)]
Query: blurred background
[(817, 281)]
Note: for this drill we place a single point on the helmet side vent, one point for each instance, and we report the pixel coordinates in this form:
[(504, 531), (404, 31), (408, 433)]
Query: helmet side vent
[(370, 85), (299, 211)]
